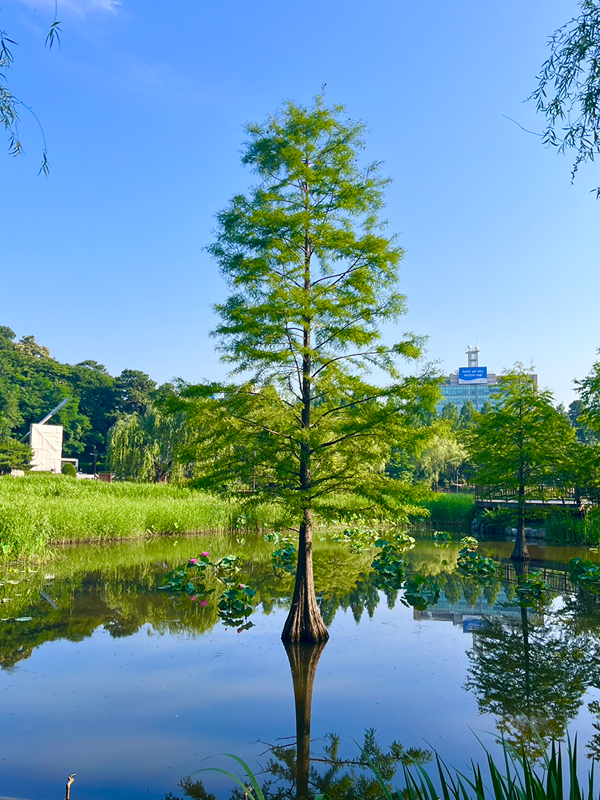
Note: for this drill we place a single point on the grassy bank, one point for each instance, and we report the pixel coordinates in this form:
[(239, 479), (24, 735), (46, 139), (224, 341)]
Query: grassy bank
[(563, 528), (40, 510), (456, 510)]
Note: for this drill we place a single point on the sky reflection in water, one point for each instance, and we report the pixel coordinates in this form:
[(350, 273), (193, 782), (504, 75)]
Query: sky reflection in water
[(132, 689)]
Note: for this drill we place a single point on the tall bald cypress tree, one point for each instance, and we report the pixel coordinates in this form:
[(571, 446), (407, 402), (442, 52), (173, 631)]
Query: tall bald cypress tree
[(313, 276)]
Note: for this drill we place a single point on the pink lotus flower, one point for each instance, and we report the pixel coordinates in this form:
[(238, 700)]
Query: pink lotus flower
[(240, 585), (193, 560), (203, 602), (193, 598), (205, 554)]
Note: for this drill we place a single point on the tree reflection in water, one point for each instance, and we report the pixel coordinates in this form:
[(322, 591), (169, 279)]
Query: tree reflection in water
[(303, 664), (531, 672), (582, 610), (291, 770)]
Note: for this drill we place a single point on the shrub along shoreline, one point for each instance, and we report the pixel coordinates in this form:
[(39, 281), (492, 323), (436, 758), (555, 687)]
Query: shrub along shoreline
[(561, 527)]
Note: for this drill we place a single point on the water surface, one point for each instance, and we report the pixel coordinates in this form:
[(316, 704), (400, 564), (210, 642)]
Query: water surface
[(132, 688)]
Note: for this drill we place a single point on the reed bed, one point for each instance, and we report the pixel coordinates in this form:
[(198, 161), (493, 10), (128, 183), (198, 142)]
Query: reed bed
[(40, 510), (563, 528), (450, 509)]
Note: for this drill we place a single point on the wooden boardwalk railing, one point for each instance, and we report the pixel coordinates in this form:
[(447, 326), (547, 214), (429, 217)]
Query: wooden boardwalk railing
[(540, 497)]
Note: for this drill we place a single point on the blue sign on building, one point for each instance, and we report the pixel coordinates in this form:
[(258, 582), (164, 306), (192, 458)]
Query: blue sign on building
[(472, 375), (472, 624)]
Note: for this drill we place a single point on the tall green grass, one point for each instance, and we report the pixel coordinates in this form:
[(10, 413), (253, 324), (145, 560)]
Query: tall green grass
[(39, 510), (516, 779), (563, 528), (450, 509)]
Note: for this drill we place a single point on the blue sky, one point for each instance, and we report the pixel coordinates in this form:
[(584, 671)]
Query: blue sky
[(143, 110)]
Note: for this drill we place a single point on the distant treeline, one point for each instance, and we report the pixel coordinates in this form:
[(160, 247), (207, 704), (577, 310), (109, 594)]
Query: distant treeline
[(145, 432), (32, 383)]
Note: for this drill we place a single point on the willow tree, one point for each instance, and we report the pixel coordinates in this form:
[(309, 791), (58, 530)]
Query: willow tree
[(568, 91), (10, 105), (313, 276), (140, 446)]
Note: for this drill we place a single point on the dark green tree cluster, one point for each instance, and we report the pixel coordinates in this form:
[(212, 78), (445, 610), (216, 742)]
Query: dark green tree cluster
[(589, 411), (14, 455), (32, 383), (583, 431)]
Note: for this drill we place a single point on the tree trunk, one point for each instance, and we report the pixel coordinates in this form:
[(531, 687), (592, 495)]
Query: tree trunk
[(304, 623), (520, 552), (522, 569), (303, 663), (527, 661)]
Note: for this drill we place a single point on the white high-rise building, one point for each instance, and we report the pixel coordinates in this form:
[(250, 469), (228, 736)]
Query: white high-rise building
[(472, 383)]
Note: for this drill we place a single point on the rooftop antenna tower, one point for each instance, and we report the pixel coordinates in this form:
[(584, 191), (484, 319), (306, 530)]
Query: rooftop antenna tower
[(472, 356)]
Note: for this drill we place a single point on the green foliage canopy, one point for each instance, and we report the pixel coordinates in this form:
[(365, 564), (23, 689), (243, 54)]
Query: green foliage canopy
[(14, 455), (588, 410), (450, 413), (522, 444), (313, 277), (32, 383), (141, 446), (442, 457), (523, 441)]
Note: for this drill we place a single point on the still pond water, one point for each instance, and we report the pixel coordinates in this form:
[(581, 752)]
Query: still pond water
[(132, 689)]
